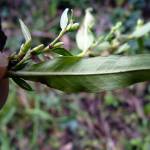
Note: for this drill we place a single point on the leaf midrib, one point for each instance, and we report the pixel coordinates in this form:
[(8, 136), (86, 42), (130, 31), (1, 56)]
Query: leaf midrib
[(128, 65), (29, 73)]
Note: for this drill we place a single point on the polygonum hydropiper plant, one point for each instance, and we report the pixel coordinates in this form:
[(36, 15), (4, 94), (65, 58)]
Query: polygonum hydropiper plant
[(86, 71)]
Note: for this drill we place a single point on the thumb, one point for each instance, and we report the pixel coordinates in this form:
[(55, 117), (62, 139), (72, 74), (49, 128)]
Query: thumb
[(4, 85), (4, 88)]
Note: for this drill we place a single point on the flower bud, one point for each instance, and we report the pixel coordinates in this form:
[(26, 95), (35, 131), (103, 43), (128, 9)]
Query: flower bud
[(59, 44), (73, 27), (37, 49)]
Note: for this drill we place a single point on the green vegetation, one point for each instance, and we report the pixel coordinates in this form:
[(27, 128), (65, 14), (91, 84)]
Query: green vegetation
[(50, 119)]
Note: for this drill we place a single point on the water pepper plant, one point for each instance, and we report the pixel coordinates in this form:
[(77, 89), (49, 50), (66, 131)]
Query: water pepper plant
[(83, 72)]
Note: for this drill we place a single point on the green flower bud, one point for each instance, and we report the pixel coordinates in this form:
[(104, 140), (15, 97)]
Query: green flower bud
[(73, 27), (140, 22), (58, 44), (37, 49)]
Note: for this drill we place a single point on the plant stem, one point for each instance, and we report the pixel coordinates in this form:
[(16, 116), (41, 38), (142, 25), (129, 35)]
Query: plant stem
[(47, 48), (55, 41), (140, 43)]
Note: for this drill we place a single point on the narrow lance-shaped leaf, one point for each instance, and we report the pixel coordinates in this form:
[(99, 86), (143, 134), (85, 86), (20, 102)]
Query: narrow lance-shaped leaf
[(25, 30), (64, 19), (75, 74), (26, 46), (23, 84)]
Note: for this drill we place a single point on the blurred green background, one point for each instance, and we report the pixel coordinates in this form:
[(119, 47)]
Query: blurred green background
[(47, 119)]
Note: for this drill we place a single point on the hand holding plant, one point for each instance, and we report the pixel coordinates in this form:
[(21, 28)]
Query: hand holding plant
[(76, 73)]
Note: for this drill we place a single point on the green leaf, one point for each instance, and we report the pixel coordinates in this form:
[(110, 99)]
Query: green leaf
[(141, 31), (23, 84), (39, 113), (61, 51), (25, 30), (64, 19), (76, 74), (9, 108), (85, 37)]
